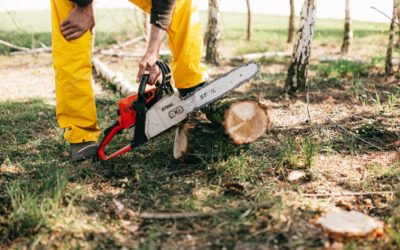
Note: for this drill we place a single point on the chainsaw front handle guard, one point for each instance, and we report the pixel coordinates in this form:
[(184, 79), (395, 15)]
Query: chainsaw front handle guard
[(140, 107), (112, 131), (109, 134)]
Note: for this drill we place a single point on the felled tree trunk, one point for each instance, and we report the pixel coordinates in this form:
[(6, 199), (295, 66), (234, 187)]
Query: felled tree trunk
[(116, 79), (243, 121), (213, 33), (249, 21), (389, 51), (292, 17), (348, 33), (297, 72)]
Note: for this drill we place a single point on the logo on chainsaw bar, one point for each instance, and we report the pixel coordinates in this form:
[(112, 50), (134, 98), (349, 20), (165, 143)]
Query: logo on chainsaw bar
[(205, 95), (173, 113), (167, 107)]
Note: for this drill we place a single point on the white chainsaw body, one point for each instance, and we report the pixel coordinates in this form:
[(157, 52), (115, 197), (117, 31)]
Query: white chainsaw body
[(166, 113)]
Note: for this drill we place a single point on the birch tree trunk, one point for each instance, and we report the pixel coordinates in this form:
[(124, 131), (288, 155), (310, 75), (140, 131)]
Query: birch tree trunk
[(213, 32), (292, 31), (297, 72), (348, 32), (249, 21), (398, 18), (389, 52)]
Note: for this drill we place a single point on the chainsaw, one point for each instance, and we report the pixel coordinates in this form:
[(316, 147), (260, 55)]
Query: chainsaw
[(154, 111)]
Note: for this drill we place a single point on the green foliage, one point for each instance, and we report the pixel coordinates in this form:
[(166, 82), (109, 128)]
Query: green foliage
[(309, 150), (238, 168), (342, 68), (394, 99), (35, 203), (372, 129), (288, 153)]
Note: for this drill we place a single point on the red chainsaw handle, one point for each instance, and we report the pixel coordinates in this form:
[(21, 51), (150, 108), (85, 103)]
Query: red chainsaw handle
[(108, 136)]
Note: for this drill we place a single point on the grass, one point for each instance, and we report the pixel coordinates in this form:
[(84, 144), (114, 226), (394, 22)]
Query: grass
[(25, 29), (48, 202), (342, 68)]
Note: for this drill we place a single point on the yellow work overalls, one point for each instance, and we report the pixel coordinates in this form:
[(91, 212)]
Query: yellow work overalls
[(76, 110)]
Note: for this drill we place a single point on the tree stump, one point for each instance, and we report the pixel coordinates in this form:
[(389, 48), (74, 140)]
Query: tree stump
[(243, 121)]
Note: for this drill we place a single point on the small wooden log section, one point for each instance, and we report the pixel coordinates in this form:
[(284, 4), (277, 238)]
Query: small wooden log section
[(243, 121), (344, 225)]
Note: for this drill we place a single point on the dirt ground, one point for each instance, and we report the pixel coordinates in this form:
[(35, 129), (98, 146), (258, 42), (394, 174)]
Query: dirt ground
[(345, 162)]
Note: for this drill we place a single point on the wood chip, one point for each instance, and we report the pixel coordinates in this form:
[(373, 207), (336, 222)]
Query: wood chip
[(296, 175), (351, 224)]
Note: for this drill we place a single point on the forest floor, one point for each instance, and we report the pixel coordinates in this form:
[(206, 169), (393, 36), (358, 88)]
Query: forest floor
[(242, 192)]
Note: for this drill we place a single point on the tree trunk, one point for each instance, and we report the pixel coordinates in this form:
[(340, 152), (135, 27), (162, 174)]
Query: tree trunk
[(249, 21), (398, 18), (243, 121), (213, 32), (297, 72), (292, 18), (348, 33), (389, 52)]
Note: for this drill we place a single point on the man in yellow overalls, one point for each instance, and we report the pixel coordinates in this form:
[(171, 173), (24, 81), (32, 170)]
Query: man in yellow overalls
[(72, 23)]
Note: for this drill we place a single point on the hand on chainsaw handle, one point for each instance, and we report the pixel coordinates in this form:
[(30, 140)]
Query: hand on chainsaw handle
[(148, 62)]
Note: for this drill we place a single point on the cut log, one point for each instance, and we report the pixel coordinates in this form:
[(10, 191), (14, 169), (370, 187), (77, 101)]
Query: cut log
[(116, 79), (243, 121), (181, 143)]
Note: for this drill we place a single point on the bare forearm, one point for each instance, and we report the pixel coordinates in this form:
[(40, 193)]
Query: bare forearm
[(155, 40)]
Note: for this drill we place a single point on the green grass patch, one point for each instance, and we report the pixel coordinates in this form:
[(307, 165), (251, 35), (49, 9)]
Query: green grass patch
[(342, 68)]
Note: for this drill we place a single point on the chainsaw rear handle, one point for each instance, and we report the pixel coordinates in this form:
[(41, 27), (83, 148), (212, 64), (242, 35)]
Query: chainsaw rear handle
[(112, 131)]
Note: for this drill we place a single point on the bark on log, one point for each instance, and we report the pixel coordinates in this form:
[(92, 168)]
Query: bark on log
[(116, 79), (298, 69), (243, 121), (348, 32), (23, 50), (13, 46), (292, 17), (259, 56), (125, 54)]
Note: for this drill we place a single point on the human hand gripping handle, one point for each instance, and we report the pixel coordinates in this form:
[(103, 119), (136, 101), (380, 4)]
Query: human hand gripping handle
[(148, 62), (79, 21)]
